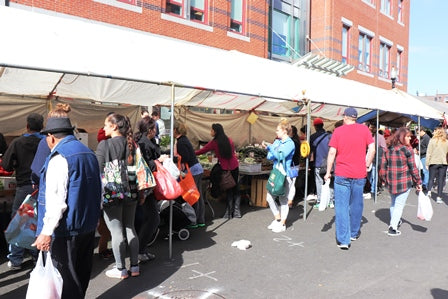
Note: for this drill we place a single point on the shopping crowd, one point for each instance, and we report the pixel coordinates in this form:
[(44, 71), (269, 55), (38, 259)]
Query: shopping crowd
[(348, 165)]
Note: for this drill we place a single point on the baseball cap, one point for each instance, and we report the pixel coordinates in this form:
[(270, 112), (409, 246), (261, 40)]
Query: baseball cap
[(351, 112), (318, 121)]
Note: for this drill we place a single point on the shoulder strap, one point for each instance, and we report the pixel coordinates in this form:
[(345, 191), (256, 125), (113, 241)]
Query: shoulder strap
[(321, 138), (106, 143)]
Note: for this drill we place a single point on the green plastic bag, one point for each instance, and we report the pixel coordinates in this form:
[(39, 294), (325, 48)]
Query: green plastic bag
[(277, 177)]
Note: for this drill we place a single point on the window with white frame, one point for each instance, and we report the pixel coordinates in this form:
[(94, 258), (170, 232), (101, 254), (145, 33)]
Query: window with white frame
[(398, 69), (131, 2), (194, 10), (384, 64), (345, 51), (385, 7), (400, 11), (364, 47), (238, 16)]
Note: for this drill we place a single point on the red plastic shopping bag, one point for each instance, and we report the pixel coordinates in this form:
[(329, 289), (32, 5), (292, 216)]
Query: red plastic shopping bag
[(166, 185)]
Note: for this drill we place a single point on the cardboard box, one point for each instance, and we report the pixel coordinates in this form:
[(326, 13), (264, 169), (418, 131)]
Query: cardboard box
[(258, 192)]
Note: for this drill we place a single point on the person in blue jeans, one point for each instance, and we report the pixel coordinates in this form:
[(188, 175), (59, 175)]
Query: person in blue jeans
[(348, 146), (424, 142)]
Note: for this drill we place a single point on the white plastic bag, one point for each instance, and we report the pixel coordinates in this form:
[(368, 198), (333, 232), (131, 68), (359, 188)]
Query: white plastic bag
[(171, 167), (424, 211), (325, 195), (45, 281)]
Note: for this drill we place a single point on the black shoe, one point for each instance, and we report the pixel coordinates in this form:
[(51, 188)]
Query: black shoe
[(356, 237), (344, 246), (393, 232)]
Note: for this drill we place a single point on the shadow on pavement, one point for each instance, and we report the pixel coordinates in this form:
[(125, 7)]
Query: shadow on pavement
[(384, 216), (439, 293)]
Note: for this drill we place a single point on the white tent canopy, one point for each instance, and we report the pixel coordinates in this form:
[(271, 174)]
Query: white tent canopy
[(80, 60)]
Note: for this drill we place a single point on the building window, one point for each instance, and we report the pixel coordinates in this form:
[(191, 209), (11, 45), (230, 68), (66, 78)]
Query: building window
[(400, 11), (194, 10), (287, 36), (364, 52), (345, 43), (385, 7), (238, 16), (384, 60), (398, 65)]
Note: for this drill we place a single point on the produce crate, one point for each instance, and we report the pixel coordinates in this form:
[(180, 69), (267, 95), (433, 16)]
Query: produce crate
[(250, 167), (258, 191)]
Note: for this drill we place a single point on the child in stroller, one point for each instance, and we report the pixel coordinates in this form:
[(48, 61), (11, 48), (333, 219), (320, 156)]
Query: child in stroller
[(183, 216)]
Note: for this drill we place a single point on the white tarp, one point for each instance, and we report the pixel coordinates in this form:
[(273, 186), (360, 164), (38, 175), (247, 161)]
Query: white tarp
[(88, 61)]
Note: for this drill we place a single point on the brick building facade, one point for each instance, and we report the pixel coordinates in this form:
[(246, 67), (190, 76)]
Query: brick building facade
[(372, 35)]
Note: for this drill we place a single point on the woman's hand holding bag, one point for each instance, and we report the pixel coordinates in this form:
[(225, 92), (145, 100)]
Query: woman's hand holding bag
[(166, 185)]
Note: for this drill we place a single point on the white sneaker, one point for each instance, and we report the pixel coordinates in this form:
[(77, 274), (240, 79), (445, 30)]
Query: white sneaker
[(439, 200), (429, 194), (311, 197), (115, 273), (367, 196), (278, 228), (273, 224), (14, 267)]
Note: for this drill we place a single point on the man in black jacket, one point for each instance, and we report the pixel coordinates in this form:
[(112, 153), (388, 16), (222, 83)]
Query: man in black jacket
[(18, 157)]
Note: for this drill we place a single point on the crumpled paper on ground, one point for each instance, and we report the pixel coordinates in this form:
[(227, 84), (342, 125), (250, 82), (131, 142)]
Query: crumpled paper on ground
[(242, 244)]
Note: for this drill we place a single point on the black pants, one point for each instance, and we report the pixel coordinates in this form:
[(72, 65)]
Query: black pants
[(72, 256), (437, 171), (147, 220)]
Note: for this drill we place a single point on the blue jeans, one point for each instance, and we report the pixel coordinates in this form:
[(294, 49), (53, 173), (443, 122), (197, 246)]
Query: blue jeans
[(396, 207), (425, 173), (349, 205), (16, 253), (371, 175)]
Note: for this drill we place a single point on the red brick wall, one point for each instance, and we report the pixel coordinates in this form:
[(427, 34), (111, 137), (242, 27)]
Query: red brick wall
[(326, 33), (150, 21)]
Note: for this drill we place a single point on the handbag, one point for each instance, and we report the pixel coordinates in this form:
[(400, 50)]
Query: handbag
[(190, 192), (145, 178), (21, 231), (115, 180), (45, 281), (276, 180), (293, 171), (166, 185), (325, 196), (227, 180), (424, 210)]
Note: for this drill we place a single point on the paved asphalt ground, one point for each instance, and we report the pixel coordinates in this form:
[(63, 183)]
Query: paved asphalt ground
[(303, 262)]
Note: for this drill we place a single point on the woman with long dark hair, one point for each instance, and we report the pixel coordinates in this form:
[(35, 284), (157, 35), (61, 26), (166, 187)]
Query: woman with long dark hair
[(399, 172), (147, 215), (119, 218), (225, 152)]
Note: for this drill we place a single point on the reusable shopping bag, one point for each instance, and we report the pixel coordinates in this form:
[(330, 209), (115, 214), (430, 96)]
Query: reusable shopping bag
[(145, 178), (227, 180), (45, 281), (325, 195), (171, 167), (166, 185), (115, 180), (276, 180), (424, 210), (21, 231), (190, 192), (293, 171)]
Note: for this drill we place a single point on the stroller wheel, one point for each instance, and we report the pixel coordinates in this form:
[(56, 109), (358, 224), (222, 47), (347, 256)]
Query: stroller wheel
[(183, 234)]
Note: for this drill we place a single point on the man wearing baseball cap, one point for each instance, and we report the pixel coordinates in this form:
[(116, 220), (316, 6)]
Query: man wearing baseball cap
[(348, 146)]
